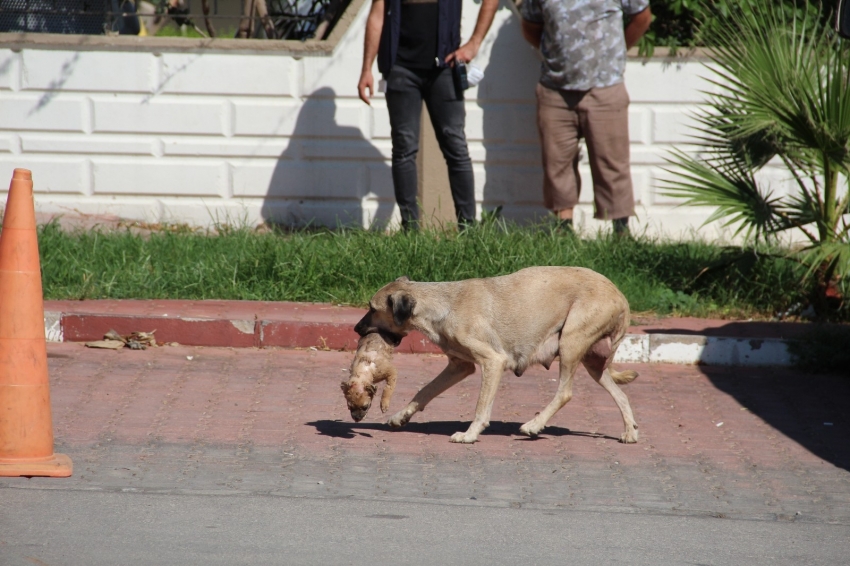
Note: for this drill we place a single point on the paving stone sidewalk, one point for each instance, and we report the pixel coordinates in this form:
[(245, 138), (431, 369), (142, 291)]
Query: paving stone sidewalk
[(757, 443)]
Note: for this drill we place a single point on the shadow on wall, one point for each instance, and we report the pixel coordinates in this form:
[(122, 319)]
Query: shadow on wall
[(513, 172), (329, 174)]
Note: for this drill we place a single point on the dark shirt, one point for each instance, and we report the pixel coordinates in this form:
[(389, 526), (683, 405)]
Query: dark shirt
[(448, 32), (417, 42)]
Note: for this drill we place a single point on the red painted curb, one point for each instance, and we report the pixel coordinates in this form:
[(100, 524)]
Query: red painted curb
[(417, 343), (258, 324), (190, 332), (226, 333), (307, 334)]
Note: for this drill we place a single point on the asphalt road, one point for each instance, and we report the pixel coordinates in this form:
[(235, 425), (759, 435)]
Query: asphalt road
[(74, 528)]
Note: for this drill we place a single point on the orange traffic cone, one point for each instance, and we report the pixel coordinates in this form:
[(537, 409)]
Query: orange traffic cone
[(26, 428)]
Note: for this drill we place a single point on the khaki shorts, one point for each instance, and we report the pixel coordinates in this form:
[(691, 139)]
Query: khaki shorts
[(601, 116)]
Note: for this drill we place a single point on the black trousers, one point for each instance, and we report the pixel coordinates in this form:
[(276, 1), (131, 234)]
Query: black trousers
[(406, 90)]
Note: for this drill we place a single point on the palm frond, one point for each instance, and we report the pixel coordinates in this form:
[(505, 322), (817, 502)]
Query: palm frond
[(732, 190), (791, 77), (835, 255), (781, 89)]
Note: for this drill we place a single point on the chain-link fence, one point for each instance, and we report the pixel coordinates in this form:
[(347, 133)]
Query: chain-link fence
[(292, 19), (53, 16)]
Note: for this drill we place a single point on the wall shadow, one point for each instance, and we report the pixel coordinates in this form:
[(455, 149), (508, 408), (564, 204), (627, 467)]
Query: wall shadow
[(326, 170), (732, 329), (506, 96), (795, 404)]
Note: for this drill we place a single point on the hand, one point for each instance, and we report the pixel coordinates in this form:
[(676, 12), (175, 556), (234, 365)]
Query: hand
[(367, 82), (465, 52)]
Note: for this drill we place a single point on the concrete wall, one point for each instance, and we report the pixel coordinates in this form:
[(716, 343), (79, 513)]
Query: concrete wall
[(223, 130)]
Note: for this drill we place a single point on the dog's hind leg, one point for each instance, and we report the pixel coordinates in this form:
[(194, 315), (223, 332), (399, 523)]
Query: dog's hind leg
[(597, 369), (574, 342), (454, 373)]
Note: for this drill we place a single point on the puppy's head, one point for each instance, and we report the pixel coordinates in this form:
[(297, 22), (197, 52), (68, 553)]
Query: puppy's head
[(359, 396), (390, 310)]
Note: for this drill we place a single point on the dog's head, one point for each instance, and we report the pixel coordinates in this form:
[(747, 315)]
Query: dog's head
[(390, 310), (359, 396)]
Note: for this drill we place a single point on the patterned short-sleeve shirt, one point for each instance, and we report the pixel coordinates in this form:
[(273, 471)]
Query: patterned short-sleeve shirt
[(583, 44)]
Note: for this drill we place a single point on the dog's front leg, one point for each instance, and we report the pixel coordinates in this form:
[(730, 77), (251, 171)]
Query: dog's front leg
[(455, 372), (491, 375)]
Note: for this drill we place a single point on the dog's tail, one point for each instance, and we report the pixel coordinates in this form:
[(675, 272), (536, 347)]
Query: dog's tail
[(622, 377)]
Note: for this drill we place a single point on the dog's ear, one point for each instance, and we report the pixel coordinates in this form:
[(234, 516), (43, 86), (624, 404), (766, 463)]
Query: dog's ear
[(371, 389), (403, 278), (345, 386), (402, 306)]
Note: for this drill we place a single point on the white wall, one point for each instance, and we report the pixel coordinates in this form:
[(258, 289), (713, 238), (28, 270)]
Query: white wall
[(217, 135)]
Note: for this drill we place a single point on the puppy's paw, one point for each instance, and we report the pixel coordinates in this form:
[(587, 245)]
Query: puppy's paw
[(399, 419), (630, 436), (464, 438), (531, 429)]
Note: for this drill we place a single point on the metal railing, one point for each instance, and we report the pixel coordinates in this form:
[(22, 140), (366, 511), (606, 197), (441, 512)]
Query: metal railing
[(292, 19)]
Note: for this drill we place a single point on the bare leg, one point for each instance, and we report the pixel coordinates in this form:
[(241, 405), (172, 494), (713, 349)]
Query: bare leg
[(455, 372), (491, 375)]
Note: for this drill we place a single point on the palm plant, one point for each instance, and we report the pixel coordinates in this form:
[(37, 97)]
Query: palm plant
[(782, 93)]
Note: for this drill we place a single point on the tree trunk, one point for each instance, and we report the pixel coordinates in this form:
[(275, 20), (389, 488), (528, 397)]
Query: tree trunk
[(263, 13), (205, 4), (246, 24)]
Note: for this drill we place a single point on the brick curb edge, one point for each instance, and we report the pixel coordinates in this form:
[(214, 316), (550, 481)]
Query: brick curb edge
[(258, 333)]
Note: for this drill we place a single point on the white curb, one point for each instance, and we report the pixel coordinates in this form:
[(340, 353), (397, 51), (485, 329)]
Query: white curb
[(703, 350), (53, 327)]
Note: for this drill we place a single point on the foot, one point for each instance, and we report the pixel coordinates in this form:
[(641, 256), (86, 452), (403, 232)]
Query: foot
[(464, 438), (630, 436), (621, 226), (400, 419), (531, 428)]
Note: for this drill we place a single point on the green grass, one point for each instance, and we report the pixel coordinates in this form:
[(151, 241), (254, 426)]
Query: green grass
[(173, 30), (348, 266)]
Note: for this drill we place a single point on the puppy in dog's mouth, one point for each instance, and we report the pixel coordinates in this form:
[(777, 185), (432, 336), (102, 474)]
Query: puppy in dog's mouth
[(372, 364)]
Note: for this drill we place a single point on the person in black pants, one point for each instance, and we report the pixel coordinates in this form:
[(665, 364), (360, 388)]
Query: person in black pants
[(417, 42)]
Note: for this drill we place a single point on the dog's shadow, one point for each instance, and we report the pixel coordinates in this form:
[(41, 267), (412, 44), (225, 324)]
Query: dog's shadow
[(345, 429)]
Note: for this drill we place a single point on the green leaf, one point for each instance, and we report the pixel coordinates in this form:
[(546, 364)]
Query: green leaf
[(731, 189)]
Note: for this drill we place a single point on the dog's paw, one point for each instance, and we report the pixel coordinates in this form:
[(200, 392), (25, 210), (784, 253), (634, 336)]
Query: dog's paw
[(399, 419), (630, 436), (464, 438), (530, 429)]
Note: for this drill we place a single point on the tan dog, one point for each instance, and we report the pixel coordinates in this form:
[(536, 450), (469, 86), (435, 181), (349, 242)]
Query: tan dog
[(510, 323), (372, 364)]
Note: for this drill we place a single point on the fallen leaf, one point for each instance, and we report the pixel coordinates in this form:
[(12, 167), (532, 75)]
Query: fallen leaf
[(106, 344)]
